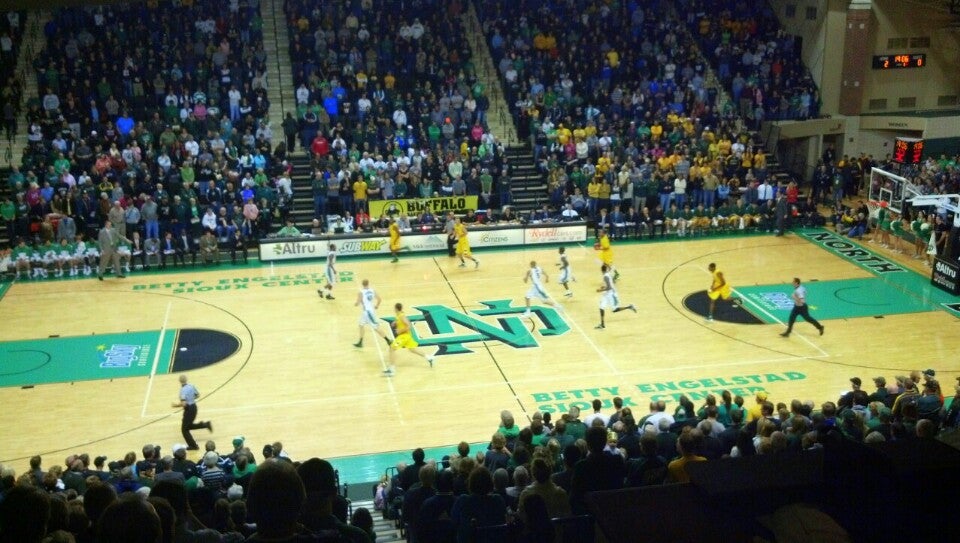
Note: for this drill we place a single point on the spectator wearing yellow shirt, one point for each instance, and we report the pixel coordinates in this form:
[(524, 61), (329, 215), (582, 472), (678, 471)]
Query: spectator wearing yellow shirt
[(656, 131), (713, 151), (613, 57), (603, 164), (673, 119), (563, 134), (603, 194), (665, 164), (724, 145), (760, 164), (593, 196), (746, 162), (755, 411), (360, 194), (687, 445)]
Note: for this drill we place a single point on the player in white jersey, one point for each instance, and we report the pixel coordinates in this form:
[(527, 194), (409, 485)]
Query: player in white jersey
[(369, 301), (537, 277), (566, 273), (331, 272), (608, 297)]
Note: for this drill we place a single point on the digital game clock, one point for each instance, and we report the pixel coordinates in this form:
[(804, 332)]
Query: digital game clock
[(908, 150), (904, 60)]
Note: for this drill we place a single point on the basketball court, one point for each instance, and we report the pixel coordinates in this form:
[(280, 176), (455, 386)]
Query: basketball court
[(92, 367)]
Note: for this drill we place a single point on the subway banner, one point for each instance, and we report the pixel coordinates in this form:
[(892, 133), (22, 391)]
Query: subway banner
[(414, 207)]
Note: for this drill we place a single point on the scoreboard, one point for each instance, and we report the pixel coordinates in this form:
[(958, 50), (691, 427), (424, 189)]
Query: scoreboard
[(908, 151), (902, 60)]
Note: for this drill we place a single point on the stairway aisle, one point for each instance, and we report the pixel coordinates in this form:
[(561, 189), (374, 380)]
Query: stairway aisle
[(302, 211), (385, 530), (276, 43), (30, 47), (527, 184), (499, 120)]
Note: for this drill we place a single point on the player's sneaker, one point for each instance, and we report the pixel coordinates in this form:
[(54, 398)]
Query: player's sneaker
[(430, 361), (358, 344), (462, 265), (569, 294), (330, 297), (709, 318), (395, 260), (476, 264), (821, 329), (388, 372), (599, 327), (632, 307), (527, 314)]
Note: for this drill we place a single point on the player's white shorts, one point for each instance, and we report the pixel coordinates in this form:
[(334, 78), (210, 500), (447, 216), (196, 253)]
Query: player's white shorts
[(536, 291), (609, 300), (331, 275), (368, 318), (565, 276)]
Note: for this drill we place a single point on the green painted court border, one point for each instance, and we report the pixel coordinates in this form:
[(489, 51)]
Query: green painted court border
[(909, 280), (75, 358), (829, 307)]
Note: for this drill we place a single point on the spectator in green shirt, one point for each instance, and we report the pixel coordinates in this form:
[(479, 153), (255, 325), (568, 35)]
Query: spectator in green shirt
[(288, 231)]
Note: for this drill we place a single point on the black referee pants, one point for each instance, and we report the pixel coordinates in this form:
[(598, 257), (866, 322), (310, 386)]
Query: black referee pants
[(801, 311), (189, 423)]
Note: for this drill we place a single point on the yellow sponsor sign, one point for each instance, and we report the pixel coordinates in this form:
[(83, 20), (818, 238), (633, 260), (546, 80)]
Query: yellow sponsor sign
[(416, 206)]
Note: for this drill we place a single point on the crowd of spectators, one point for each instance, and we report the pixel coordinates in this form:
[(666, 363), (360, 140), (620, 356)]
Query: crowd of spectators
[(615, 102), (227, 497), (389, 107), (525, 475), (11, 87), (153, 115), (546, 469), (758, 63)]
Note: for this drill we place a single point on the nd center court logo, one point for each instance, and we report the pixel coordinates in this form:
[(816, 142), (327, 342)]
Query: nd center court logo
[(452, 330)]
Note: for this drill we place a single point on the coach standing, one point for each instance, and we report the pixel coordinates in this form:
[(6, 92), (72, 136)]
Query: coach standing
[(109, 238), (188, 401), (800, 308)]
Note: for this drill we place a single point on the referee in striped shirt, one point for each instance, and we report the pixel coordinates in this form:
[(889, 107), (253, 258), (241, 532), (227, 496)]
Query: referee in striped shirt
[(800, 308), (188, 401)]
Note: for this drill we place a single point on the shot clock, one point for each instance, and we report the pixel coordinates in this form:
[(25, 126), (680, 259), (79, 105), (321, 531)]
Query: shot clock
[(907, 150), (902, 60)]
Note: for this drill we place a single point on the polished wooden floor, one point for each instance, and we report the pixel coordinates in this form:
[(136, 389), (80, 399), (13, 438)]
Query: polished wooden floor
[(298, 379)]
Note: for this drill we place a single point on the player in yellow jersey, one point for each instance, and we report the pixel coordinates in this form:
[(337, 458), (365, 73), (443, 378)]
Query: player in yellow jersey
[(463, 244), (403, 339), (606, 252), (395, 246), (719, 288)]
